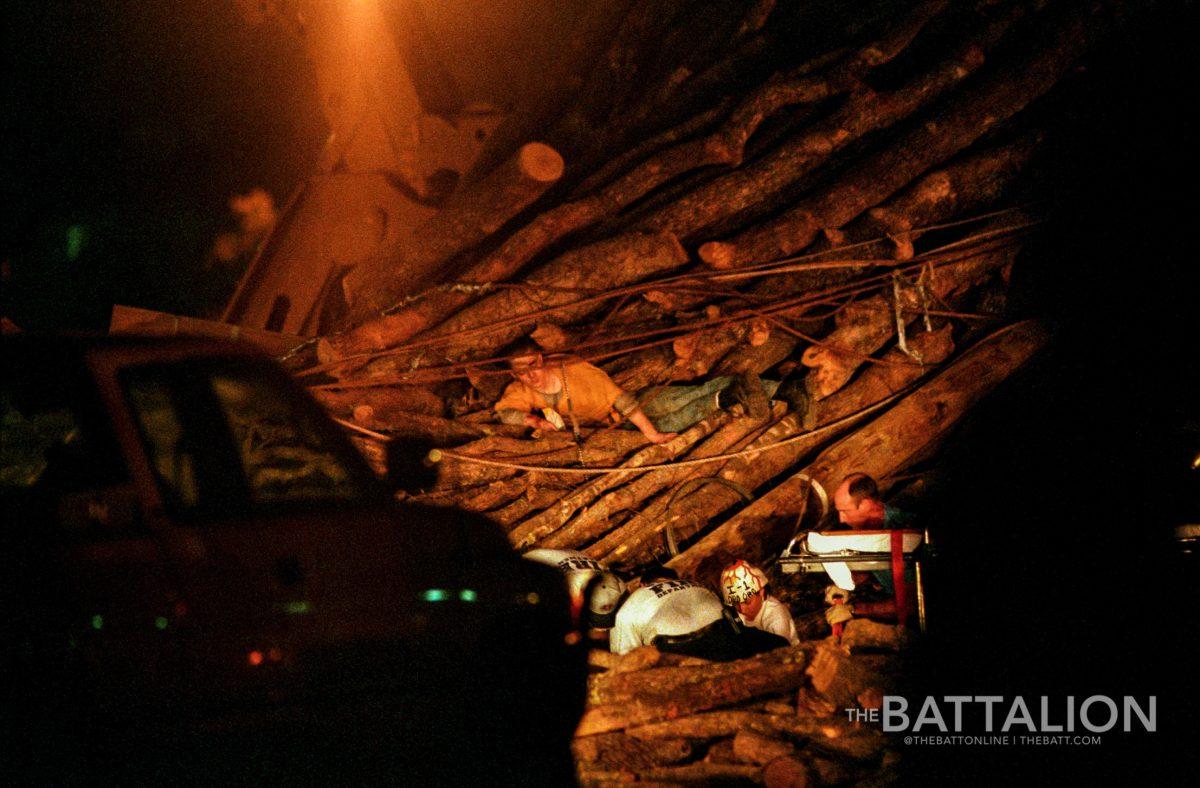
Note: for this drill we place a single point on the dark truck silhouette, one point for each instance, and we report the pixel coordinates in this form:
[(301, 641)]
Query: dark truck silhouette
[(204, 581)]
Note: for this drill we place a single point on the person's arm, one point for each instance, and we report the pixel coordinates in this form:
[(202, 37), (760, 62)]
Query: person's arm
[(623, 403), (515, 406), (642, 422)]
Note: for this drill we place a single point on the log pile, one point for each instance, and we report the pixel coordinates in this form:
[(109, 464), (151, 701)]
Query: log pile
[(844, 216), (838, 206), (775, 719)]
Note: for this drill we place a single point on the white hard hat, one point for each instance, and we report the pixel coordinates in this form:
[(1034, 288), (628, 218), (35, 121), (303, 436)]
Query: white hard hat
[(604, 596), (740, 581)]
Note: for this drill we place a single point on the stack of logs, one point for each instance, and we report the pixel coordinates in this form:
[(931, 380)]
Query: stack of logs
[(851, 218), (713, 196), (778, 719)]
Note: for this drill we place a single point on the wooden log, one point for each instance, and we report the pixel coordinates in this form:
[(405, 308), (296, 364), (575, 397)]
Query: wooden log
[(147, 322), (720, 751), (865, 326), (894, 372), (602, 447), (724, 147), (487, 325), (830, 771), (787, 772), (403, 267), (750, 747), (619, 750), (593, 522), (441, 304), (386, 402), (738, 192), (673, 672), (710, 687), (751, 56), (494, 495), (965, 120), (863, 634), (842, 678), (963, 187), (544, 523), (802, 87), (730, 722), (911, 427), (701, 774), (532, 500), (640, 658), (633, 542)]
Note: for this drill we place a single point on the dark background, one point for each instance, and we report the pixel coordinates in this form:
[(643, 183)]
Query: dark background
[(1058, 493), (136, 122)]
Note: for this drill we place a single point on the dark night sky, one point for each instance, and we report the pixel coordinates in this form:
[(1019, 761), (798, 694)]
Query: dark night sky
[(137, 123)]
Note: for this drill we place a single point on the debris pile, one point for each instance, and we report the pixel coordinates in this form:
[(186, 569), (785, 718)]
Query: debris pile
[(776, 719)]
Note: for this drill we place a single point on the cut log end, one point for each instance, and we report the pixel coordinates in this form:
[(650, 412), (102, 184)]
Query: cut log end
[(718, 254), (539, 162)]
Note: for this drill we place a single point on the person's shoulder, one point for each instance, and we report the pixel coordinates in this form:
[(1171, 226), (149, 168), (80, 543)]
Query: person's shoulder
[(775, 606), (579, 365)]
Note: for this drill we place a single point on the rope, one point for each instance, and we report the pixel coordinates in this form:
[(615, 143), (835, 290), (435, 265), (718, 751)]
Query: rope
[(772, 268), (848, 290), (437, 455)]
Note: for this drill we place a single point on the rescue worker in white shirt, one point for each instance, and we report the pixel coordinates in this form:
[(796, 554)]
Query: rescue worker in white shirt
[(590, 585), (684, 618), (745, 590)]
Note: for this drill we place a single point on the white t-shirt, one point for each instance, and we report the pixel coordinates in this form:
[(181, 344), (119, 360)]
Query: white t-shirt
[(774, 617), (665, 607)]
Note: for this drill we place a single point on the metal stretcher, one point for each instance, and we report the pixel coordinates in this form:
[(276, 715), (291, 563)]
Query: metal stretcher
[(838, 553)]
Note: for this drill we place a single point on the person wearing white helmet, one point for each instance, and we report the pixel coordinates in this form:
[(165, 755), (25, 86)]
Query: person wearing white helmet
[(684, 618), (592, 587), (744, 588)]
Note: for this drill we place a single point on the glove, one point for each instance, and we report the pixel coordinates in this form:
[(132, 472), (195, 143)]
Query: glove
[(838, 614), (833, 593)]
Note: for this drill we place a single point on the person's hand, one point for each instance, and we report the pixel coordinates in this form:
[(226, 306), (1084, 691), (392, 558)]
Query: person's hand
[(835, 594), (660, 437), (838, 614), (538, 423)]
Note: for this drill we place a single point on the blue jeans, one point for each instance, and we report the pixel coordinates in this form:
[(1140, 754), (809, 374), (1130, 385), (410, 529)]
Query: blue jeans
[(675, 408)]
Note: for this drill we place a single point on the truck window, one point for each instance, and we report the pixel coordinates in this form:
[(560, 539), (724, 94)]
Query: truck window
[(284, 453), (163, 435)]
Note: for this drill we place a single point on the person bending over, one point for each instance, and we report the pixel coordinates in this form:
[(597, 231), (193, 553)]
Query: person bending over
[(681, 617), (860, 506)]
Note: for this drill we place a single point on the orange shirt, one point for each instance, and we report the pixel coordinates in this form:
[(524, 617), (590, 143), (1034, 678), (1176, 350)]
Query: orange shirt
[(591, 393)]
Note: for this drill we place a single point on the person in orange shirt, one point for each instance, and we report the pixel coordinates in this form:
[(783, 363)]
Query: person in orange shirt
[(555, 395), (565, 393)]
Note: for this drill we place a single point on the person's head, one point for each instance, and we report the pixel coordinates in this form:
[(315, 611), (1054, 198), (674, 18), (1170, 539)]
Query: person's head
[(743, 587), (604, 595), (528, 365), (857, 501), (658, 572)]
